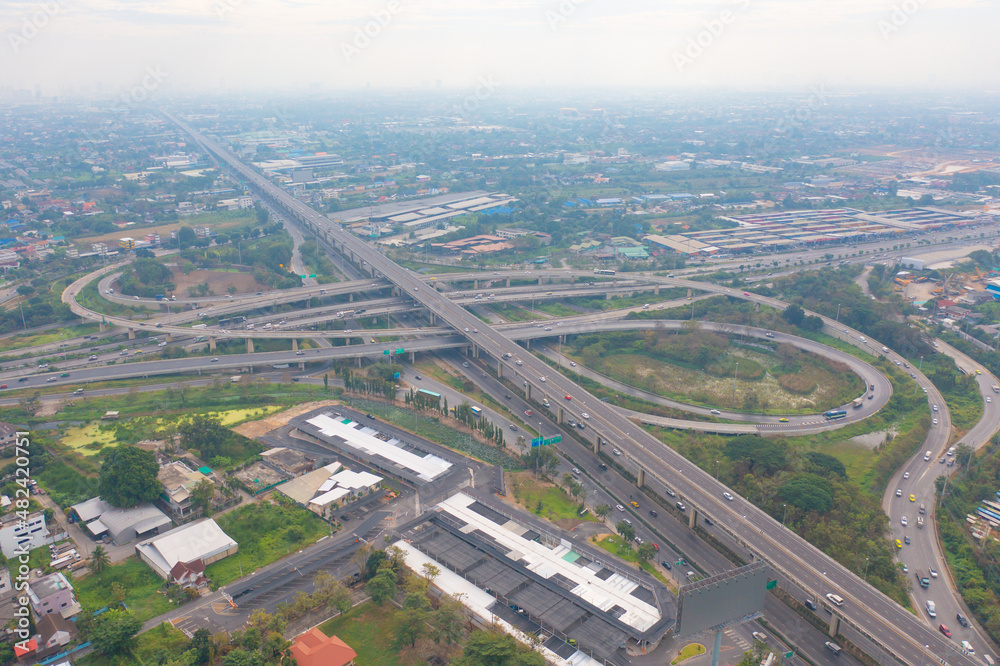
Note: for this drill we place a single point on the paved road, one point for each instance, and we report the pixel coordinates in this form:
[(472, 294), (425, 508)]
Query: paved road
[(866, 608)]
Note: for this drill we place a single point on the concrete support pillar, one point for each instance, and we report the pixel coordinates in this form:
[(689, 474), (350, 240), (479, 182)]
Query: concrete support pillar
[(528, 389), (131, 334), (302, 365), (169, 338), (689, 292), (562, 416), (656, 290), (834, 627), (607, 296), (359, 362), (640, 478), (540, 280), (693, 518), (475, 284), (500, 369), (211, 344), (295, 344), (475, 351), (104, 327), (413, 357), (527, 345), (562, 339), (350, 298), (433, 320), (597, 445), (249, 345), (508, 282)]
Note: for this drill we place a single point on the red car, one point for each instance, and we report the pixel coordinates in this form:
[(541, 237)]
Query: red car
[(3, 386), (527, 412), (656, 548), (569, 398), (945, 630)]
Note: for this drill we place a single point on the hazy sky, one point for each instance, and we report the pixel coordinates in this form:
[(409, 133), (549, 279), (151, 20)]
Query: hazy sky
[(228, 45)]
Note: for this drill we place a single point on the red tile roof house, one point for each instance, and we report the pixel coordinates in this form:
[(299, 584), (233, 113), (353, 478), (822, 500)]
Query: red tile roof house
[(314, 648)]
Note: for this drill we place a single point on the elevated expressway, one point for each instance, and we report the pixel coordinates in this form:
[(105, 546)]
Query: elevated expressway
[(895, 629)]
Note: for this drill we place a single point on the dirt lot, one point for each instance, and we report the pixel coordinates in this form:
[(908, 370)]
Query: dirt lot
[(254, 429), (218, 281)]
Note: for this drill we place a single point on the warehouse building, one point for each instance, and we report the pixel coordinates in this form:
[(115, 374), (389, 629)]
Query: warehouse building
[(203, 542)]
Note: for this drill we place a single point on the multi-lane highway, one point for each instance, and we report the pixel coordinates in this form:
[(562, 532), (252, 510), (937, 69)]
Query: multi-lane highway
[(903, 635)]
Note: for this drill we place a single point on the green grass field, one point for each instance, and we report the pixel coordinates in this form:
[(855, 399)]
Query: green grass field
[(266, 533), (556, 504), (144, 596), (613, 544), (367, 629), (55, 335)]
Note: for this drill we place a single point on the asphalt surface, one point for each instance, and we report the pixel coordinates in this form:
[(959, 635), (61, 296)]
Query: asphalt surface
[(899, 631)]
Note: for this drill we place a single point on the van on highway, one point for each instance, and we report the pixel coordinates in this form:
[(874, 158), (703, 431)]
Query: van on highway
[(927, 456), (833, 647)]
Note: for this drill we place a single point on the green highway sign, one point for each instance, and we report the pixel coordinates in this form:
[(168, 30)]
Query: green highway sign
[(771, 584), (307, 276), (398, 351), (386, 352), (536, 442), (789, 654)]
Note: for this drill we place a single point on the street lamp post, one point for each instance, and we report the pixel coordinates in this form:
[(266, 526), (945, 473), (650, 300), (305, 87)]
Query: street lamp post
[(716, 470), (784, 513), (866, 569)]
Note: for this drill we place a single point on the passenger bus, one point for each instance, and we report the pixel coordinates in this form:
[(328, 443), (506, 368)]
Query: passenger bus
[(476, 411), (835, 414), (603, 271)]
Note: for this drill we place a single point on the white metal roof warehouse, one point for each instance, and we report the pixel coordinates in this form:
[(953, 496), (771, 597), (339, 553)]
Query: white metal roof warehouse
[(202, 540), (362, 438)]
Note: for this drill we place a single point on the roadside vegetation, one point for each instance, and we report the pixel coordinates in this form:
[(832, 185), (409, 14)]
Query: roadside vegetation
[(972, 561)]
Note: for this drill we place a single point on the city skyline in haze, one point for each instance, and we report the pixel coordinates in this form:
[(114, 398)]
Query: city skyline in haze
[(180, 46)]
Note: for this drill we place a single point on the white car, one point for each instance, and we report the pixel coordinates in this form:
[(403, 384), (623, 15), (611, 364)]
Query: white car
[(935, 421), (620, 507), (902, 521), (617, 452), (715, 411), (835, 599), (899, 492), (585, 415), (572, 364), (728, 495), (906, 475)]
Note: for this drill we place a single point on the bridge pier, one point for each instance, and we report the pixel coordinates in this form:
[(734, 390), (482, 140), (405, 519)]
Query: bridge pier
[(597, 445), (131, 334), (693, 519), (433, 319), (834, 627), (302, 365), (562, 339), (527, 345), (500, 369), (508, 282), (540, 280), (689, 292), (528, 392), (475, 284), (249, 345), (562, 416), (211, 344), (607, 296), (640, 478), (104, 326), (295, 344), (413, 357), (359, 362), (656, 290), (169, 338)]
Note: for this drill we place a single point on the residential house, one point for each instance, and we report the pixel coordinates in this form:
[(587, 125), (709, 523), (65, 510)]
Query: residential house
[(314, 648), (17, 536), (52, 594)]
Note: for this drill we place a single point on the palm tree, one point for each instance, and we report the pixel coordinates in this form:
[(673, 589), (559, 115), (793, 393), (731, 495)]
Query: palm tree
[(99, 560)]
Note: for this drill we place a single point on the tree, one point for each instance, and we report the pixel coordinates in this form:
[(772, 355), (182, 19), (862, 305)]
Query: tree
[(447, 621), (809, 492), (496, 648), (382, 586), (113, 632), (145, 253), (241, 657), (626, 531), (128, 477), (430, 572), (99, 560), (794, 314), (543, 460), (602, 510), (202, 495), (826, 464), (186, 237), (201, 646), (765, 454), (411, 620), (118, 592), (646, 552)]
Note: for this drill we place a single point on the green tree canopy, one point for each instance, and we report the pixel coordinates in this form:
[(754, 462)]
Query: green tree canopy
[(128, 477), (824, 463), (496, 648), (113, 632), (762, 455), (809, 492)]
